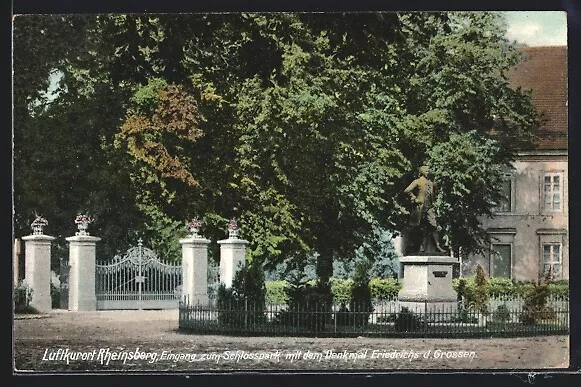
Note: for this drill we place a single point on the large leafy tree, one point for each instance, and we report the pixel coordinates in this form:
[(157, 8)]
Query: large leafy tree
[(64, 163), (307, 127)]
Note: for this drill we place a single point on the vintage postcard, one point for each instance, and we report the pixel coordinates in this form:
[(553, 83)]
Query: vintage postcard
[(290, 191)]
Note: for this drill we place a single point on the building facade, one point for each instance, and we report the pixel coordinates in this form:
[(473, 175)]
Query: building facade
[(528, 234)]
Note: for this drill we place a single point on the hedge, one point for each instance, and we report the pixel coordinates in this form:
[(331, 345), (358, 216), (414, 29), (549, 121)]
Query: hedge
[(386, 289), (504, 287)]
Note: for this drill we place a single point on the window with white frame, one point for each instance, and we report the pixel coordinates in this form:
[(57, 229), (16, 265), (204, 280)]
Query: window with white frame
[(505, 203), (501, 260), (552, 259), (553, 192)]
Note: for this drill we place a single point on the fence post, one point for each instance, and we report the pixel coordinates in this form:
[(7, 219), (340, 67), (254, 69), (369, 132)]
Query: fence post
[(82, 248), (37, 270)]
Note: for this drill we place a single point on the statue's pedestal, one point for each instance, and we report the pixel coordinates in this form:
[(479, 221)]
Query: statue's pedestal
[(427, 285)]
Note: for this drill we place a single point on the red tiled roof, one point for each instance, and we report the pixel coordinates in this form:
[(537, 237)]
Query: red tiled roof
[(544, 72)]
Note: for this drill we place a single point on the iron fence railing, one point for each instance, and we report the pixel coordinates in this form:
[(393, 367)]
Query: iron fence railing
[(381, 319)]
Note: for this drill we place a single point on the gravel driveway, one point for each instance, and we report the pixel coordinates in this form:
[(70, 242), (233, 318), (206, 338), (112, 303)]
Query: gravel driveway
[(150, 341)]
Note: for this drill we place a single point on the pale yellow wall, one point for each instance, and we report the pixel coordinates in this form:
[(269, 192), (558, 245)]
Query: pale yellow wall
[(529, 219)]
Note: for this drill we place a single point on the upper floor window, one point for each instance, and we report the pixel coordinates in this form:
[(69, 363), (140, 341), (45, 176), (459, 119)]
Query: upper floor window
[(553, 192)]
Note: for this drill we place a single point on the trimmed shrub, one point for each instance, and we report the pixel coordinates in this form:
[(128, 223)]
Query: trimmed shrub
[(388, 289), (559, 288), (407, 321), (465, 297), (501, 287), (244, 303), (275, 292), (341, 289), (535, 304), (308, 303), (479, 303), (22, 298), (384, 289), (360, 303), (501, 314), (465, 287)]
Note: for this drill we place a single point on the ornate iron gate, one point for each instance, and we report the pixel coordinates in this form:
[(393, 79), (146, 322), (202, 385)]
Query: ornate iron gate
[(138, 280)]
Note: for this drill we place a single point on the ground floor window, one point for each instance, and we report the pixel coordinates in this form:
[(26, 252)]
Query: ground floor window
[(501, 260), (552, 259)]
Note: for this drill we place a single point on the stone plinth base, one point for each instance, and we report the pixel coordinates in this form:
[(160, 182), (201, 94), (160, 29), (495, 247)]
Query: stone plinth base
[(427, 285), (446, 309)]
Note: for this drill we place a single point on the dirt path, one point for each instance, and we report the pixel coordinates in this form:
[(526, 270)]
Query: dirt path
[(150, 341)]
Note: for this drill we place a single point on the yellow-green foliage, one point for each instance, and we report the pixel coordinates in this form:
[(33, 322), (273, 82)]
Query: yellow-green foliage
[(480, 292), (275, 294), (341, 290), (381, 289), (384, 289), (504, 287)]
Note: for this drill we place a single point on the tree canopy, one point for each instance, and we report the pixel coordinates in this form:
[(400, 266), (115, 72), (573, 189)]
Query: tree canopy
[(305, 126)]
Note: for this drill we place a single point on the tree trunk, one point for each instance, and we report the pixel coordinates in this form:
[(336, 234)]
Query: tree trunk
[(324, 269), (324, 272)]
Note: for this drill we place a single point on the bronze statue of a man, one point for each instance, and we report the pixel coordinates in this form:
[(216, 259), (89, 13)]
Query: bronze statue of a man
[(421, 192)]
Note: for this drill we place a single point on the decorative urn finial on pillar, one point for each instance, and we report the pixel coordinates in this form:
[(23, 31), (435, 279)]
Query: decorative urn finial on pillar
[(83, 222), (194, 226), (38, 224), (233, 229)]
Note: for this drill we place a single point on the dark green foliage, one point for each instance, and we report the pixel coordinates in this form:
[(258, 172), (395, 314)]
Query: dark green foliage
[(381, 289), (464, 315), (559, 288), (360, 304), (22, 297), (343, 316), (465, 298), (407, 321), (55, 296), (500, 286), (501, 314), (503, 287), (480, 298), (308, 305), (384, 289), (461, 289), (231, 308), (535, 306), (244, 303)]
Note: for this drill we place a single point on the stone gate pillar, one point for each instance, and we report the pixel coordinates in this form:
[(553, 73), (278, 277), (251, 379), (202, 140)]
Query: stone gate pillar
[(37, 260), (232, 254), (82, 249), (195, 266), (16, 263)]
